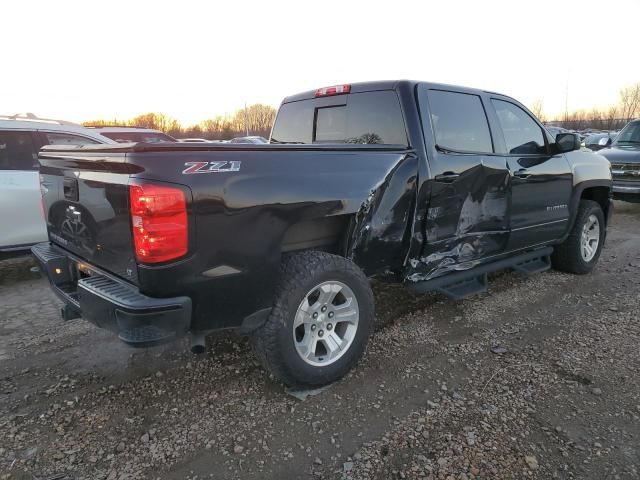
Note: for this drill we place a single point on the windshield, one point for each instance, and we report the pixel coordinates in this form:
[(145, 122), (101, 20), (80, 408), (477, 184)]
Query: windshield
[(146, 137), (629, 134)]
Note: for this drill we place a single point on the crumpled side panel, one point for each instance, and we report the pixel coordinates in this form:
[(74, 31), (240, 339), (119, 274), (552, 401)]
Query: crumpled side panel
[(382, 226), (467, 220)]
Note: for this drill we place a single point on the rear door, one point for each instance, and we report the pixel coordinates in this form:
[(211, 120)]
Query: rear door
[(467, 217), (21, 222), (541, 183)]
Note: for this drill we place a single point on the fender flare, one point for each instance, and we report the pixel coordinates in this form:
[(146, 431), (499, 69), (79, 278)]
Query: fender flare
[(576, 196)]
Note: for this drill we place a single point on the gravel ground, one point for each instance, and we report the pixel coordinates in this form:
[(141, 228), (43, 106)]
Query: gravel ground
[(538, 378)]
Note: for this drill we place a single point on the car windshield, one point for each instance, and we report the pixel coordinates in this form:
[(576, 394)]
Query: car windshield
[(629, 134), (146, 137)]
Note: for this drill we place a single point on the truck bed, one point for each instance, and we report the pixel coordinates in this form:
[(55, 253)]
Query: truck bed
[(246, 205)]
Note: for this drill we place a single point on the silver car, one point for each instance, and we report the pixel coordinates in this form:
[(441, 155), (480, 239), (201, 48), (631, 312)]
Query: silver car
[(21, 136)]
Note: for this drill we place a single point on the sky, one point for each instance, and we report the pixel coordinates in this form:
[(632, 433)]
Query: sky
[(192, 60)]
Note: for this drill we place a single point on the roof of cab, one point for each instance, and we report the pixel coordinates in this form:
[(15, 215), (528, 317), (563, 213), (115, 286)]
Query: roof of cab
[(360, 87)]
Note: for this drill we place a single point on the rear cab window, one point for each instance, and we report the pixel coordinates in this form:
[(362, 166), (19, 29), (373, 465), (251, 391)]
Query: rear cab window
[(367, 118)]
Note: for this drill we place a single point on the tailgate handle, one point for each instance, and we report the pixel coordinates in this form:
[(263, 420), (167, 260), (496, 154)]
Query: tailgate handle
[(70, 189)]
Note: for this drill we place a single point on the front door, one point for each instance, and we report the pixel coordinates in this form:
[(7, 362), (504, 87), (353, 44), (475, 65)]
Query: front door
[(467, 218), (541, 183), (20, 211)]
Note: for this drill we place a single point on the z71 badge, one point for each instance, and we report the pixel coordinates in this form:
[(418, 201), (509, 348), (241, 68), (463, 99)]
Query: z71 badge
[(211, 167)]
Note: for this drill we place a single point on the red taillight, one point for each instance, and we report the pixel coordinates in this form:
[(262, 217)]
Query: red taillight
[(159, 219), (335, 90)]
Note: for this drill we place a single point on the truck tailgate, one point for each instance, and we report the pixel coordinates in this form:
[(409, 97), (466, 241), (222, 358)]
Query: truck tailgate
[(86, 206)]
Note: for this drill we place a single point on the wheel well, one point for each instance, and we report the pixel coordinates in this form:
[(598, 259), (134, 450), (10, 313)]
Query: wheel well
[(599, 195), (327, 233)]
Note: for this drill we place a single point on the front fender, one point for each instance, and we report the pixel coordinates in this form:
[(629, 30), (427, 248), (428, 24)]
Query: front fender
[(588, 166)]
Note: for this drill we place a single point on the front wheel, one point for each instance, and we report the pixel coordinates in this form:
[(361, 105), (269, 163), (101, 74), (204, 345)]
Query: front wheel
[(320, 322), (580, 251)]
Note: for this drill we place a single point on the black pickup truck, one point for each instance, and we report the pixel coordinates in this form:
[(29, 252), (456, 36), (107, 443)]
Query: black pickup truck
[(427, 184)]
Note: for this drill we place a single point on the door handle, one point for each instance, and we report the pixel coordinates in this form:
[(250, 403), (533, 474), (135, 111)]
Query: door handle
[(522, 173), (446, 177)]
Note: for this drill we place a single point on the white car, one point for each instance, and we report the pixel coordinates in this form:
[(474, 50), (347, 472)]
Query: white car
[(133, 134), (21, 137)]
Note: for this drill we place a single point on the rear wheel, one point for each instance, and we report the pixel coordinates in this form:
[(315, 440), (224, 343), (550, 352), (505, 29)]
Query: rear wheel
[(580, 251), (320, 323)]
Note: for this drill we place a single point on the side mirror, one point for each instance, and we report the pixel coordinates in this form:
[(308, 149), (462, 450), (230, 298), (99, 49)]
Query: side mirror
[(568, 142), (604, 142)]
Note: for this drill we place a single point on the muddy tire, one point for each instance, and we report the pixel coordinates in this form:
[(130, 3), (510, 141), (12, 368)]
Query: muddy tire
[(320, 323), (580, 251)]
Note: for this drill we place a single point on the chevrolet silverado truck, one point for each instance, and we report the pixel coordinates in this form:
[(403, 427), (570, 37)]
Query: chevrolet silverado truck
[(431, 185), (624, 155)]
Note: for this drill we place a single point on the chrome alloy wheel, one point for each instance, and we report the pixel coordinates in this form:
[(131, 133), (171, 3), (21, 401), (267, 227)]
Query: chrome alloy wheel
[(590, 238), (325, 324)]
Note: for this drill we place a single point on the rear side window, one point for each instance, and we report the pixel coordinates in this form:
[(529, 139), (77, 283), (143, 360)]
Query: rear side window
[(17, 151), (68, 139), (459, 122), (364, 118), (522, 134)]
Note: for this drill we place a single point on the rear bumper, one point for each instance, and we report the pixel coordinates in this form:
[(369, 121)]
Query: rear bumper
[(111, 303)]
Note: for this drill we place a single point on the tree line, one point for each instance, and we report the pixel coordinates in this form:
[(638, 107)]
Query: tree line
[(613, 117), (257, 119), (252, 120)]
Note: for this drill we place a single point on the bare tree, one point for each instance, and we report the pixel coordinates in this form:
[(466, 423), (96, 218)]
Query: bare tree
[(105, 123), (537, 108), (630, 102), (157, 121), (611, 117)]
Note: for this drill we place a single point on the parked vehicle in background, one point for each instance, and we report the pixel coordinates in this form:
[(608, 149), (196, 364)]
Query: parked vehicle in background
[(427, 184), (21, 136), (134, 134), (624, 155), (598, 141), (555, 131), (250, 139), (193, 140)]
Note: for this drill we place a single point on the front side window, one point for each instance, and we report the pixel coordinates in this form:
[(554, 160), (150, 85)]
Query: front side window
[(68, 139), (522, 135), (17, 151), (459, 122)]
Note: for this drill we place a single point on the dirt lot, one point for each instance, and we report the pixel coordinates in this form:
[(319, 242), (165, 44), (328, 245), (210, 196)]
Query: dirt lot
[(538, 378)]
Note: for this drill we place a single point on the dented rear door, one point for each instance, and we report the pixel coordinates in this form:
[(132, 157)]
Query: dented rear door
[(468, 211)]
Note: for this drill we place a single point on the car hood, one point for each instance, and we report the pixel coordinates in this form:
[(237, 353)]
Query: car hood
[(621, 154)]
